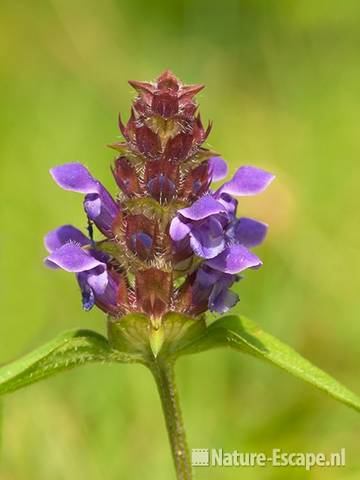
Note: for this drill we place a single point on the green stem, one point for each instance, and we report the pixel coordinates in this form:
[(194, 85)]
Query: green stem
[(164, 375)]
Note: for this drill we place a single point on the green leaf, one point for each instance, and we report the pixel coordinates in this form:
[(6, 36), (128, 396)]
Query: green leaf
[(246, 336), (69, 350)]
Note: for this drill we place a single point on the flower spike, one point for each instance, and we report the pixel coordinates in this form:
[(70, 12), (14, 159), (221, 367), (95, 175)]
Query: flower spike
[(165, 223)]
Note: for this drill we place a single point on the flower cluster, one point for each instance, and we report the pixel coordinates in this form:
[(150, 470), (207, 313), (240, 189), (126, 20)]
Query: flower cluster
[(169, 243), (215, 235)]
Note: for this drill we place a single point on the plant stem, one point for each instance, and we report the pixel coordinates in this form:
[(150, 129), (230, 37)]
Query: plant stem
[(163, 372)]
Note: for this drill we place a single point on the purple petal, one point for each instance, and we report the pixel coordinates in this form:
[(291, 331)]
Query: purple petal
[(178, 229), (230, 204), (207, 277), (58, 237), (221, 300), (98, 204), (247, 181), (87, 293), (108, 300), (247, 232), (207, 239), (102, 209), (218, 168), (92, 205), (93, 285), (72, 258), (202, 208), (98, 280), (75, 177), (234, 259)]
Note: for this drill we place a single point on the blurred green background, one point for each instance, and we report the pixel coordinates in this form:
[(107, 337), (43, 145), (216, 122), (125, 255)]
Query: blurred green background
[(282, 82)]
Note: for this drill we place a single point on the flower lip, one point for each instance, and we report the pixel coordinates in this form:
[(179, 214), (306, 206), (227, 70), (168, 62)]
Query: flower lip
[(221, 299), (246, 181), (87, 294), (60, 236), (97, 278), (178, 229), (234, 259), (76, 178), (247, 232), (214, 285), (202, 208), (72, 258), (207, 238), (218, 168)]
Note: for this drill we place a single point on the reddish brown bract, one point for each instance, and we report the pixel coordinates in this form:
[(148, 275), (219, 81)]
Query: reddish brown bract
[(161, 160)]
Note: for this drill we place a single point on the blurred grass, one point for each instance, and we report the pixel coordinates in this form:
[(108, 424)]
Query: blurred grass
[(282, 83)]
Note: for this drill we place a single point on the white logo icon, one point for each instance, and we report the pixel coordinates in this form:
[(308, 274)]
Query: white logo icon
[(200, 457)]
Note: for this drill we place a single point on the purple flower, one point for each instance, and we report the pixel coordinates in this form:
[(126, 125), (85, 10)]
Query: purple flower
[(215, 277), (153, 259), (210, 222), (98, 203), (203, 223), (70, 250), (212, 288), (216, 235)]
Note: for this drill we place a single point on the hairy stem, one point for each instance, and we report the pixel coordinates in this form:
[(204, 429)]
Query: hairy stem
[(164, 375)]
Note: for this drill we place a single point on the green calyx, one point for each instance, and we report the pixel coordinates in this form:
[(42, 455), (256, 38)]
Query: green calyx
[(137, 334)]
